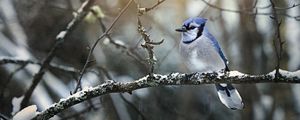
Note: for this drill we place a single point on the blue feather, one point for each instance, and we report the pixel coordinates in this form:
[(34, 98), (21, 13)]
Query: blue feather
[(201, 48), (216, 45)]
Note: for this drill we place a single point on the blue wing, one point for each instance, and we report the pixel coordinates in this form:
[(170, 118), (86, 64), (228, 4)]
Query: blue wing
[(217, 47)]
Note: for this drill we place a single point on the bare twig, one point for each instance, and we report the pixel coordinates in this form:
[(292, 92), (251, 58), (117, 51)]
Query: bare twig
[(95, 44), (174, 38), (250, 12), (279, 8), (154, 6), (11, 75), (204, 10), (234, 77), (148, 45), (15, 61), (278, 43), (81, 13), (286, 8), (124, 48), (53, 66), (142, 10)]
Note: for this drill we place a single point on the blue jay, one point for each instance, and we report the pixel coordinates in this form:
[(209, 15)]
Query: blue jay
[(202, 53)]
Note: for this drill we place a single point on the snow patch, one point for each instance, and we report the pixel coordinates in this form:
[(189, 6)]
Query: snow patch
[(61, 35), (106, 41), (26, 113), (235, 73), (120, 42), (173, 75), (16, 102), (286, 73)]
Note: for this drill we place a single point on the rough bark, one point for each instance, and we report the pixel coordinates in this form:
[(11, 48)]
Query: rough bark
[(163, 80)]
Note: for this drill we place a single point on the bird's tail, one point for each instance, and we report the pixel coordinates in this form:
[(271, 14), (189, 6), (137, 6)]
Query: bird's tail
[(229, 96)]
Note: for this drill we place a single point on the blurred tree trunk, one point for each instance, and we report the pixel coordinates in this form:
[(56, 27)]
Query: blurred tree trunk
[(250, 44)]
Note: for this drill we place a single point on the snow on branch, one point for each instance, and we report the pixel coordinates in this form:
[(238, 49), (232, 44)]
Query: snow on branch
[(163, 80)]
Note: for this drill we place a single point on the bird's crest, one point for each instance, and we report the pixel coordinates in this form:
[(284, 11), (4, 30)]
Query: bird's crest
[(197, 20)]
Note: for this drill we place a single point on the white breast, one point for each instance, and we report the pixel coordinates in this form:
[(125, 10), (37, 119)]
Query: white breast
[(201, 56)]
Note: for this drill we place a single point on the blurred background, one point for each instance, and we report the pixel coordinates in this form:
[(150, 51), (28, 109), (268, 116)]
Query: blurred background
[(28, 29)]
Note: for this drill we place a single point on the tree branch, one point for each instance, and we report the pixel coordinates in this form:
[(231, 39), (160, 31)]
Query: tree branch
[(164, 80), (81, 13), (78, 85), (130, 52)]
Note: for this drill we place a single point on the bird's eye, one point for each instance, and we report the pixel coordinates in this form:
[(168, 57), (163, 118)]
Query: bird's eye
[(191, 27)]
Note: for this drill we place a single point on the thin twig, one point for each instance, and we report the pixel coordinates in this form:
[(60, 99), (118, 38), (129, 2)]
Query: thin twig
[(81, 13), (286, 8), (53, 66), (95, 44), (277, 8), (277, 42), (204, 10), (154, 6), (142, 11), (250, 12), (9, 60), (11, 75), (124, 48), (148, 45)]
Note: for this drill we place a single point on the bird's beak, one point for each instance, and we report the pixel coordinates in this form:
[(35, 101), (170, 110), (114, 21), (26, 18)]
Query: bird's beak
[(182, 29)]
